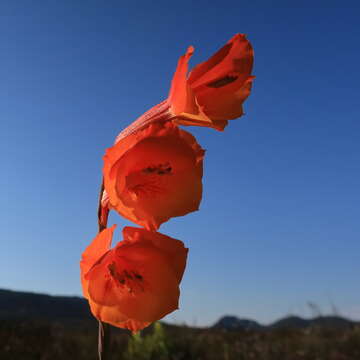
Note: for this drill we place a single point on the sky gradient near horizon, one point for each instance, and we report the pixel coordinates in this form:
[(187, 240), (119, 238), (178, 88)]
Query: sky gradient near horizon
[(279, 221)]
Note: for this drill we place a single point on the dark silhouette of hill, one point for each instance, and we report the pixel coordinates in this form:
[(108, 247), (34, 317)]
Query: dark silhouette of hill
[(290, 322), (16, 304), (234, 323), (294, 322), (27, 305)]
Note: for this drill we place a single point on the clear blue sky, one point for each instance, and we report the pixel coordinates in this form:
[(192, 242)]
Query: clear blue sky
[(279, 221)]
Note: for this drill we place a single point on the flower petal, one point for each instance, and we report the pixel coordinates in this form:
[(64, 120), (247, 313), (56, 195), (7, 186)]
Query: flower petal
[(97, 248), (173, 248), (151, 281), (215, 89), (181, 95), (112, 315), (109, 314), (137, 282), (154, 174), (236, 57)]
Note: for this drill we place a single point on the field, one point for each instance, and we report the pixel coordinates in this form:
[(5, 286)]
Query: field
[(44, 340)]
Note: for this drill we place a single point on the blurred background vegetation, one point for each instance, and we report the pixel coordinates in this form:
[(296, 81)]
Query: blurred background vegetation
[(42, 340), (43, 327)]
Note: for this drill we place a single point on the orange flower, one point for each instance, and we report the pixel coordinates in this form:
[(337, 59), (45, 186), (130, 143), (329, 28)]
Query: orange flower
[(211, 95), (135, 283), (154, 174), (215, 89)]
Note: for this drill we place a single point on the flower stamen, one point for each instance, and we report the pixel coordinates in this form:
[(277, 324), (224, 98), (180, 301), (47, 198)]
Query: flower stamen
[(130, 280), (160, 169)]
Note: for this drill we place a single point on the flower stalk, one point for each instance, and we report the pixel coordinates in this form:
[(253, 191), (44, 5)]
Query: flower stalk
[(103, 340), (104, 329)]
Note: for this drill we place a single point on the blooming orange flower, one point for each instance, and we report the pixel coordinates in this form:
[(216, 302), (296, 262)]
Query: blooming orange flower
[(215, 89), (135, 283), (212, 94), (153, 174)]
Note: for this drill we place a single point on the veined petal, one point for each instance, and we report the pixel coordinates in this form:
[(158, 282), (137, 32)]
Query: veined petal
[(97, 248), (154, 174), (174, 249), (215, 89), (181, 95), (137, 282)]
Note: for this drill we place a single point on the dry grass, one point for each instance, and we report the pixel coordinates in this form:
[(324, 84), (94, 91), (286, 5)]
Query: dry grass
[(43, 340)]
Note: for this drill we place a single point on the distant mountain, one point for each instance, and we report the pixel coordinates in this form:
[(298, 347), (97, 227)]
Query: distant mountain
[(26, 305), (234, 323), (333, 321), (290, 322), (294, 322), (320, 321), (15, 304)]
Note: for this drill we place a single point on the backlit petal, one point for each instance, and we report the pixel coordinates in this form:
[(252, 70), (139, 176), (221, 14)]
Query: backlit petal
[(154, 174), (215, 89), (137, 282), (97, 248)]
